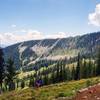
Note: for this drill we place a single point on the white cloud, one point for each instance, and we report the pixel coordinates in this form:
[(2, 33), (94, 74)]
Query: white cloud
[(13, 25), (94, 18), (20, 31), (57, 35), (11, 38)]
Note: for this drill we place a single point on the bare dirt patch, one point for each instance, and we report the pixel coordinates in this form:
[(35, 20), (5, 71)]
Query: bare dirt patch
[(91, 93)]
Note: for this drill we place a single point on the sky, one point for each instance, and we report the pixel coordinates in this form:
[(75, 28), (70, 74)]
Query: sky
[(23, 20)]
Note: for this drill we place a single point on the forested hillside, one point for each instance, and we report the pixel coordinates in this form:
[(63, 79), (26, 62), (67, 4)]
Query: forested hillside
[(28, 53)]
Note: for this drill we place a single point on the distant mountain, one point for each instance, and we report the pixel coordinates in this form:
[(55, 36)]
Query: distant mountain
[(27, 53)]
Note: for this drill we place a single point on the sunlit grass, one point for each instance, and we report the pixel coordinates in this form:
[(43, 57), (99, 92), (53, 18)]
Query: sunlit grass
[(65, 89)]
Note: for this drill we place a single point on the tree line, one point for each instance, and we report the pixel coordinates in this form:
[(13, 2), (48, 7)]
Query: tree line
[(59, 72)]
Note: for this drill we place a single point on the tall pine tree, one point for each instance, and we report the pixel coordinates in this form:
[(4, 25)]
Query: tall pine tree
[(1, 67), (10, 74), (57, 72), (98, 63), (77, 74), (73, 73), (10, 70)]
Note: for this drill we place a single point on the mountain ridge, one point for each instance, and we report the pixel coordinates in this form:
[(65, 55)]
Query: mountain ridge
[(28, 52)]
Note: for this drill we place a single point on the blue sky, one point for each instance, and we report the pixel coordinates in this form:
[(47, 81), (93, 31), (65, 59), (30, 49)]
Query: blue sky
[(47, 16)]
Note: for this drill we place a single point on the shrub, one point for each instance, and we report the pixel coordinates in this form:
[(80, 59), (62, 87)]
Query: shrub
[(61, 94), (88, 83)]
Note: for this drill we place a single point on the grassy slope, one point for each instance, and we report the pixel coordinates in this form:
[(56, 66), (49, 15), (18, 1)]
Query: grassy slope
[(66, 89)]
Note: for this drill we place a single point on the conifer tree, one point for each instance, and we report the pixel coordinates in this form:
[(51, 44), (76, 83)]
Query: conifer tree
[(17, 82), (10, 70), (45, 79), (94, 69), (1, 67), (84, 69), (53, 76), (57, 73), (68, 73), (22, 84), (31, 82), (10, 74), (64, 71), (98, 63), (61, 72), (89, 68), (73, 73), (77, 74)]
